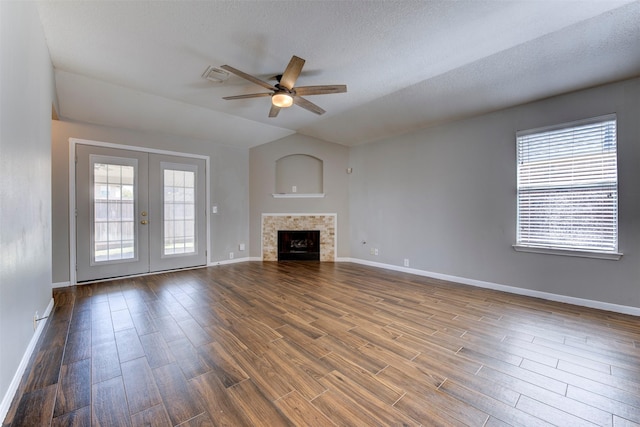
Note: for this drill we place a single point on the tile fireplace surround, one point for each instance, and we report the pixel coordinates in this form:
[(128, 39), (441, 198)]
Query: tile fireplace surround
[(325, 223)]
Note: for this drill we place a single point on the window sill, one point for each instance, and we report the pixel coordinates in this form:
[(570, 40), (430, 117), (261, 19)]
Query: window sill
[(297, 195), (569, 252)]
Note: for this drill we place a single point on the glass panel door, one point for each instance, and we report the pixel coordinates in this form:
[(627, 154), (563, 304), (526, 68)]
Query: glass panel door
[(112, 235), (138, 212), (178, 221)]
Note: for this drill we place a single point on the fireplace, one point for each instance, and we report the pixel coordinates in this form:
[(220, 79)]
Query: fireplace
[(326, 223), (298, 245)]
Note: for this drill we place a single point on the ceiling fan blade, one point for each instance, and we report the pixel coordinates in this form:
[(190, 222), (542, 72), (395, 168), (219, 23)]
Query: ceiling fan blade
[(249, 95), (320, 90), (274, 111), (248, 77), (292, 72), (308, 105)]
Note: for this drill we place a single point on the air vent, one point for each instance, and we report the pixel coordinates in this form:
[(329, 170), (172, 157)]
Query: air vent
[(215, 74)]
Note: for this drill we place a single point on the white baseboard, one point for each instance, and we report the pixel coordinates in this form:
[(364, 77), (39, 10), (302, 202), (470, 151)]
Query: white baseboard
[(624, 309), (229, 261), (15, 382), (259, 259), (61, 285)]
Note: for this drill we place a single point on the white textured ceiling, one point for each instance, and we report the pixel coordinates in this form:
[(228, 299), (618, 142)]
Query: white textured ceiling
[(407, 64)]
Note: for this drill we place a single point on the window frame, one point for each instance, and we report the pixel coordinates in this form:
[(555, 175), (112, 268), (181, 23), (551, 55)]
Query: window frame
[(552, 248)]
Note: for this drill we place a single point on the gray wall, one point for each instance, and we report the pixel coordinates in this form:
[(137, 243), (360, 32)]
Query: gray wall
[(26, 83), (335, 186), (229, 185), (444, 198)]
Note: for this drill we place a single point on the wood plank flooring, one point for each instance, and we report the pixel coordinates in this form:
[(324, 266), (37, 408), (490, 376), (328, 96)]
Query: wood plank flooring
[(323, 344)]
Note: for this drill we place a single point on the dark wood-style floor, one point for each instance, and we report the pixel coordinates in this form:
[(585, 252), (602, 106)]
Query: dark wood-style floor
[(323, 344)]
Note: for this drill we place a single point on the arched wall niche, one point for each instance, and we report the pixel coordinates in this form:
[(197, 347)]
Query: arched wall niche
[(299, 173)]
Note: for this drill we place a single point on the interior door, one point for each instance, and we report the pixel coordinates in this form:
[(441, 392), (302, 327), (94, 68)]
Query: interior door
[(137, 212)]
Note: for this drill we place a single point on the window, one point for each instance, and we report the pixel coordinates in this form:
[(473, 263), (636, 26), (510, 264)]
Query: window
[(179, 211), (568, 188), (113, 206)]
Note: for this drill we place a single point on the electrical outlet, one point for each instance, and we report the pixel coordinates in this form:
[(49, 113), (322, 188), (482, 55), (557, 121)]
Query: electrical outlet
[(372, 251), (375, 251), (230, 255), (406, 262), (241, 247), (294, 189), (35, 321)]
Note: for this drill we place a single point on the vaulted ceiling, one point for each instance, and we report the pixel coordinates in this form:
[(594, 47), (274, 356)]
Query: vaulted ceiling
[(407, 64)]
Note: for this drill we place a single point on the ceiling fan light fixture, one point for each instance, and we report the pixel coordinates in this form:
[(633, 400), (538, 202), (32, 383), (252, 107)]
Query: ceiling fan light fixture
[(284, 93), (282, 100)]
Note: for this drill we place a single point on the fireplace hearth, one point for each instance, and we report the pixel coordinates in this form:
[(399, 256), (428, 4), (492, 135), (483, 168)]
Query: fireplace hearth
[(298, 245)]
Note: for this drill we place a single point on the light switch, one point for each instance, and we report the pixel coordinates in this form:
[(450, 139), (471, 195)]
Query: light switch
[(214, 209)]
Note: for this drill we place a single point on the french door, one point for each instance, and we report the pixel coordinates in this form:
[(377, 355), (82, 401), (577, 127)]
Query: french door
[(137, 212)]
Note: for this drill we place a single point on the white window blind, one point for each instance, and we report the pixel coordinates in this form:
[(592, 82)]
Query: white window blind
[(568, 186)]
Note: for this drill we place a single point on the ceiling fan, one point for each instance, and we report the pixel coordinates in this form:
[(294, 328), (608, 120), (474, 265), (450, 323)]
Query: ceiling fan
[(283, 94)]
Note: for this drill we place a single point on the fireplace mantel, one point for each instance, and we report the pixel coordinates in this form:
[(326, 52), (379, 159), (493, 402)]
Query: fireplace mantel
[(326, 223)]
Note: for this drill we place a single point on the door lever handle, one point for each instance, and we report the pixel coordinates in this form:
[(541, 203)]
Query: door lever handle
[(144, 222)]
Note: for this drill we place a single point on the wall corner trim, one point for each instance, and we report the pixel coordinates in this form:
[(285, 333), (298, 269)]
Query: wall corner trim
[(17, 377)]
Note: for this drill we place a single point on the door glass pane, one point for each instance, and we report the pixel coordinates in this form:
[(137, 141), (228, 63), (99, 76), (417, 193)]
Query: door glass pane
[(179, 205), (113, 217)]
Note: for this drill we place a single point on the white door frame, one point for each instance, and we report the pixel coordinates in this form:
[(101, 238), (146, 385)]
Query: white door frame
[(72, 192)]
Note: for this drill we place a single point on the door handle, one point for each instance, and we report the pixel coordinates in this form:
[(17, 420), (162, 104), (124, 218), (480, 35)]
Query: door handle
[(144, 222), (143, 213)]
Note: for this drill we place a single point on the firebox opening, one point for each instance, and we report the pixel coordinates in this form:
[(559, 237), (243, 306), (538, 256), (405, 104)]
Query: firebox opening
[(298, 245)]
